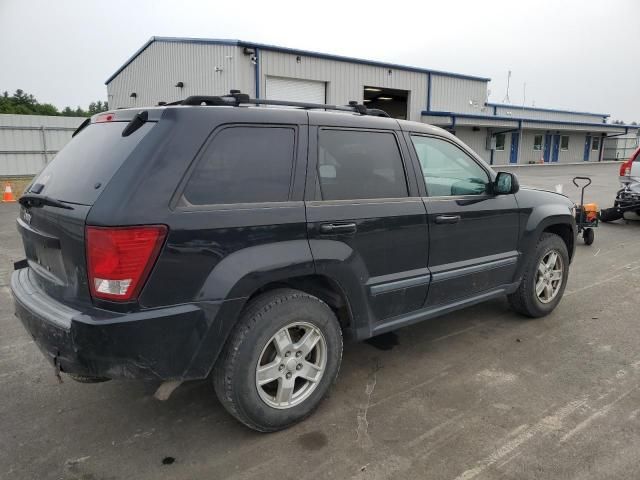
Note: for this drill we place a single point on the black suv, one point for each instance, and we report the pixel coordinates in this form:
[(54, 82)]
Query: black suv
[(220, 238)]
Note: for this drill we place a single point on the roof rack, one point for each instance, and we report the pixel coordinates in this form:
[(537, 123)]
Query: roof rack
[(236, 98)]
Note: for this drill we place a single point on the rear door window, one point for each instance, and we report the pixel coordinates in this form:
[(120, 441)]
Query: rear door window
[(92, 157), (356, 164), (244, 164)]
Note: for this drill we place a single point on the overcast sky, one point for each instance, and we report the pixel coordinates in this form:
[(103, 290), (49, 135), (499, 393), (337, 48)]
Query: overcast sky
[(578, 55)]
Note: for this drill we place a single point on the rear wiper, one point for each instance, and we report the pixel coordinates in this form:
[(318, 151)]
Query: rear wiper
[(81, 127), (31, 200)]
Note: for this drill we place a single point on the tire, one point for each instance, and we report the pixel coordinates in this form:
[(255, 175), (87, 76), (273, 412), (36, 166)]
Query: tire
[(267, 407), (525, 300), (610, 214), (588, 236)]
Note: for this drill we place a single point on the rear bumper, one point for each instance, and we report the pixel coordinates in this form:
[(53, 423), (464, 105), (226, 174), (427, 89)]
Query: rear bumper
[(177, 342)]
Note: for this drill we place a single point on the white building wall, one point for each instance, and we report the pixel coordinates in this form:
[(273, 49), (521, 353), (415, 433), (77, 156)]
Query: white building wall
[(345, 81), (477, 141), (205, 69), (23, 139), (474, 140), (452, 94)]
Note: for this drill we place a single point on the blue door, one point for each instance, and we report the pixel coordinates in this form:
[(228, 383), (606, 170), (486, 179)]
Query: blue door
[(556, 148), (587, 148), (515, 140), (547, 148)]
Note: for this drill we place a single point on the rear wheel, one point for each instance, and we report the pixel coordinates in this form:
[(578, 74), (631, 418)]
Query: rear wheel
[(280, 360), (544, 279)]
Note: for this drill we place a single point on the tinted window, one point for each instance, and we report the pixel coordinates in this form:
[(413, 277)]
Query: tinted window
[(91, 157), (244, 165), (595, 143), (564, 142), (358, 164), (500, 141), (448, 170)]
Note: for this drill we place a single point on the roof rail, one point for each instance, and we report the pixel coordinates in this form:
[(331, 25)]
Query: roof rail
[(236, 98)]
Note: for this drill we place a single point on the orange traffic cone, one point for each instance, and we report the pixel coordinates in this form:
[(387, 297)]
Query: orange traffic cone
[(7, 196)]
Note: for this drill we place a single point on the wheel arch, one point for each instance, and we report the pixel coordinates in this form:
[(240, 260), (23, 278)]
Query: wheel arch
[(325, 288)]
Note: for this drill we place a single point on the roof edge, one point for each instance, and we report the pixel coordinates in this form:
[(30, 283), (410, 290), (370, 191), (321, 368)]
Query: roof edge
[(293, 51), (539, 109), (427, 113)]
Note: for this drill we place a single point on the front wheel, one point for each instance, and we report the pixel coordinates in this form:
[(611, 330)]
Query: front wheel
[(544, 279), (280, 361)]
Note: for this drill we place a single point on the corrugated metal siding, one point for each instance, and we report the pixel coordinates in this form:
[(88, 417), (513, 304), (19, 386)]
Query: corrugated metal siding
[(460, 95), (487, 122), (346, 81), (581, 128), (477, 141), (520, 112), (155, 72), (22, 135)]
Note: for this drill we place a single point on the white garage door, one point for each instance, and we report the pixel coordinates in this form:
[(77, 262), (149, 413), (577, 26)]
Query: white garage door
[(295, 90)]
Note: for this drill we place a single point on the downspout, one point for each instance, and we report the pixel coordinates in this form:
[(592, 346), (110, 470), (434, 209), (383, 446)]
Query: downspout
[(519, 141), (428, 91), (257, 72)]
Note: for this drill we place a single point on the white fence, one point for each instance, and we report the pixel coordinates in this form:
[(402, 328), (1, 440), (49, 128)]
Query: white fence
[(29, 142)]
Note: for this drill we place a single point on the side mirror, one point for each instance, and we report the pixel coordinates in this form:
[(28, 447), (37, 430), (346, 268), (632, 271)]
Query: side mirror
[(505, 183)]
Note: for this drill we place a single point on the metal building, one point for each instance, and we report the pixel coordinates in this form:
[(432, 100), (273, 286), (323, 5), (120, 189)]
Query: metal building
[(169, 69)]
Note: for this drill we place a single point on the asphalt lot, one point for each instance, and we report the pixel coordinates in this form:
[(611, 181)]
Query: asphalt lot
[(479, 394)]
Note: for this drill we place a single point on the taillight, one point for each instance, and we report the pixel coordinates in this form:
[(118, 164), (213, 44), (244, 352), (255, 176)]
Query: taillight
[(105, 117), (625, 168), (119, 259)]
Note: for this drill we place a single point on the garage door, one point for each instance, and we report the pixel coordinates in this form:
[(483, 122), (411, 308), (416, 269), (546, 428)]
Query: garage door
[(295, 90)]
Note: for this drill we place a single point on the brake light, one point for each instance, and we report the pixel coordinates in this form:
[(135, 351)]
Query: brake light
[(105, 117), (119, 259), (625, 168)]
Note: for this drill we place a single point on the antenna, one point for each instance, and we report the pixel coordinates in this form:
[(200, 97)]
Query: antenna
[(524, 94), (506, 97)]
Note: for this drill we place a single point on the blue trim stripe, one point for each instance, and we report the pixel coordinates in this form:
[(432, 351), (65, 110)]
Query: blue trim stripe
[(293, 51), (536, 109), (596, 126)]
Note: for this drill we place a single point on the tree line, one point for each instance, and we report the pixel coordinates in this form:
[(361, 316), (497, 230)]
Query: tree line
[(23, 103)]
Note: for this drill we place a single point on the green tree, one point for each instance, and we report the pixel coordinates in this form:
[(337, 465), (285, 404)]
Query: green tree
[(23, 103)]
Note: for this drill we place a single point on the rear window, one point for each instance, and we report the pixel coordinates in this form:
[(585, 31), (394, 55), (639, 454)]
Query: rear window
[(92, 157), (244, 164)]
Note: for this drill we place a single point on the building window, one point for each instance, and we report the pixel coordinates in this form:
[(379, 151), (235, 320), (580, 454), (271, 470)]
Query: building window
[(537, 142), (564, 142), (595, 143), (500, 142)]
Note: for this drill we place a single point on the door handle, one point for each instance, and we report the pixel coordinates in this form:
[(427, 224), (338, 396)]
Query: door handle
[(447, 218), (338, 228)]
